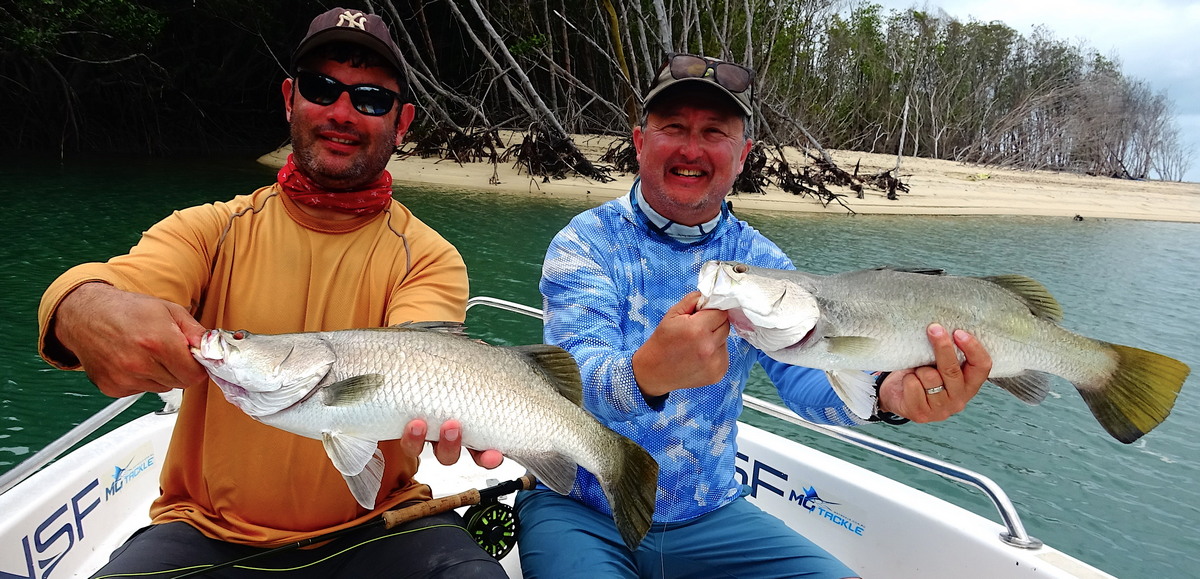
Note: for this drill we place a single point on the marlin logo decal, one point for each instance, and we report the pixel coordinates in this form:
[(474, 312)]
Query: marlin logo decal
[(811, 500)]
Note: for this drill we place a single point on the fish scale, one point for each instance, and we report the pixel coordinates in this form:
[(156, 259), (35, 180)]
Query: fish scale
[(876, 320), (416, 364), (523, 401)]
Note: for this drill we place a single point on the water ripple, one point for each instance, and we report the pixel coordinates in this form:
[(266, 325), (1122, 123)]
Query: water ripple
[(1130, 510)]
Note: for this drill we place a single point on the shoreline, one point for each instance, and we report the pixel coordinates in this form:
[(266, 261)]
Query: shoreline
[(936, 187)]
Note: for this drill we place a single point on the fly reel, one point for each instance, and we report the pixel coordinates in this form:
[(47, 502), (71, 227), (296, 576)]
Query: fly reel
[(493, 525)]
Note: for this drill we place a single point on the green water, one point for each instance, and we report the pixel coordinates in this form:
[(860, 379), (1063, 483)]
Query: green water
[(1130, 510)]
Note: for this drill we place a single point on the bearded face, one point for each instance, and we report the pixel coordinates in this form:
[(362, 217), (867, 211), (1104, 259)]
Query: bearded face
[(337, 146)]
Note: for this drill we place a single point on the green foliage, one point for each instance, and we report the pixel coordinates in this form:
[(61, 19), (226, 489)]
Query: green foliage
[(93, 29), (160, 74), (529, 45)]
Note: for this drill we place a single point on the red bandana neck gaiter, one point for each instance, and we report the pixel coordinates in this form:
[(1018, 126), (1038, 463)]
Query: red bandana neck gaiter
[(371, 199)]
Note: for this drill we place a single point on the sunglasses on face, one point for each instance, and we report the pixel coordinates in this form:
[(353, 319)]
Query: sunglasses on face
[(367, 99), (734, 77)]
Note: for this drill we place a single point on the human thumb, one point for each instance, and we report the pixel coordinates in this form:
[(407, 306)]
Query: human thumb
[(188, 326)]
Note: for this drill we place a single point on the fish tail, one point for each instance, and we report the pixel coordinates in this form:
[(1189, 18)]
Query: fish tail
[(631, 484), (1139, 395)]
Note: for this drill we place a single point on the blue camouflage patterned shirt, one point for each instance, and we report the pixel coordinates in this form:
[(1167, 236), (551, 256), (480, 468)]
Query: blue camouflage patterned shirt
[(608, 279)]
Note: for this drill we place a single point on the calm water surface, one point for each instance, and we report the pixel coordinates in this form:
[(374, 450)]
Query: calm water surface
[(1133, 510)]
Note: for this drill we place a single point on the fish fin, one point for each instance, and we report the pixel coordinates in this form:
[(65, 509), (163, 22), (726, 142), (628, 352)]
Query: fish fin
[(350, 454), (851, 345), (351, 390), (920, 270), (559, 366), (856, 389), (1032, 293), (1030, 387), (454, 328), (172, 400), (630, 482), (553, 469), (365, 485), (1138, 396)]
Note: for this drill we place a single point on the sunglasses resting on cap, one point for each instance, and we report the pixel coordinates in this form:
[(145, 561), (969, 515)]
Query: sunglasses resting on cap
[(736, 80)]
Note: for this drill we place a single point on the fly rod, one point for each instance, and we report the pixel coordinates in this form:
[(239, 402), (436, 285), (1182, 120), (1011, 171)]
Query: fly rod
[(391, 518)]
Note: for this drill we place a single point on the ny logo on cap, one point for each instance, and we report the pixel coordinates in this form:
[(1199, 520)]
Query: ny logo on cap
[(356, 19)]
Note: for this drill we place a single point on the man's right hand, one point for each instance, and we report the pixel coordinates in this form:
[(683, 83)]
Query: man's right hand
[(128, 342), (688, 349)]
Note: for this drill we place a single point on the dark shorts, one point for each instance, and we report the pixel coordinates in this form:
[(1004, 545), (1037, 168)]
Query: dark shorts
[(560, 536), (435, 546)]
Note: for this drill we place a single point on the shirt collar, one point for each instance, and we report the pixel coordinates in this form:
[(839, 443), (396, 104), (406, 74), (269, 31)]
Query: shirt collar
[(676, 231)]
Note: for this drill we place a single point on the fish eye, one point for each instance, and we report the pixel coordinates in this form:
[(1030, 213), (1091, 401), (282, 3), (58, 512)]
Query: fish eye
[(741, 268), (239, 335)]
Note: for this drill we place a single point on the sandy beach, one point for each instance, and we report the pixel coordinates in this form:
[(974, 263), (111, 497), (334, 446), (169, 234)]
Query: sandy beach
[(936, 187)]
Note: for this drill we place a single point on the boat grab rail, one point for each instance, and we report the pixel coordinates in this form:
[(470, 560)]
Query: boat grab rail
[(64, 443), (1014, 535)]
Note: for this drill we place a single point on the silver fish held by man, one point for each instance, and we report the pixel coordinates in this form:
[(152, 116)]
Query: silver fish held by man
[(875, 319), (352, 388)]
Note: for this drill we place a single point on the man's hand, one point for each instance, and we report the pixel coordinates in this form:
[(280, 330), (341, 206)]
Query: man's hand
[(688, 349), (128, 342), (448, 447), (932, 393)]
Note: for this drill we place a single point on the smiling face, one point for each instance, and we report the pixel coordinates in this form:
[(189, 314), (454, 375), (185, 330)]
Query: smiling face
[(337, 146), (690, 151)]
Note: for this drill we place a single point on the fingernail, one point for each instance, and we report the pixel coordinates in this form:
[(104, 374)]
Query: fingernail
[(418, 431), (936, 330), (961, 336), (452, 434)]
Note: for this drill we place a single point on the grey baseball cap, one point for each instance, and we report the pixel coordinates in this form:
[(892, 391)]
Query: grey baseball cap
[(733, 80)]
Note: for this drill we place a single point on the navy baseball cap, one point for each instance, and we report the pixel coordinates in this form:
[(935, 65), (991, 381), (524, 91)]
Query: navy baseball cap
[(353, 26)]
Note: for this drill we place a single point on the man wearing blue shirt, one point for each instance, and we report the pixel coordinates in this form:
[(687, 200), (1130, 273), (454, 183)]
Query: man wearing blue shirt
[(618, 284)]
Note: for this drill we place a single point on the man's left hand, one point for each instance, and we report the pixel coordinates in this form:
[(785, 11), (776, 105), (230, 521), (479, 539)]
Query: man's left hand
[(933, 393), (448, 447)]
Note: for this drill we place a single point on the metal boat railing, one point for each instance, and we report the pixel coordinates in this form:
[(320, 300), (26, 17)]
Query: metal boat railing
[(1015, 534), (47, 455)]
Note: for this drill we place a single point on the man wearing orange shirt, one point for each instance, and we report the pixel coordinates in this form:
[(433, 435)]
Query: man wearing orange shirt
[(324, 248)]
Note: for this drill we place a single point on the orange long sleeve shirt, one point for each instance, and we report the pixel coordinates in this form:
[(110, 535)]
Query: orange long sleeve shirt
[(260, 263)]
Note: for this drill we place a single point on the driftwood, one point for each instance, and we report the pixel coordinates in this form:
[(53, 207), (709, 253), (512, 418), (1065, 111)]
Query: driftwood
[(622, 156), (542, 153), (753, 178), (814, 180), (547, 150), (810, 180), (455, 145), (886, 181)]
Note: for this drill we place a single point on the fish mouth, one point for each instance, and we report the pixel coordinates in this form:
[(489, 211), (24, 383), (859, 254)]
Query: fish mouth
[(210, 352), (715, 285), (211, 355)]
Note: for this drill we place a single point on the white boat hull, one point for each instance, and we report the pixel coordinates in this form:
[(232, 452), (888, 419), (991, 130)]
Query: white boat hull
[(66, 519), (881, 527)]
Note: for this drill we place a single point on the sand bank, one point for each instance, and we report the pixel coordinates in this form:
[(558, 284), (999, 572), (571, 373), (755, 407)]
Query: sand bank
[(936, 188)]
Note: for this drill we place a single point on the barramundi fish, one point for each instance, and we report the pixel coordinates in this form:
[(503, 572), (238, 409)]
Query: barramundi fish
[(352, 388), (875, 320)]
